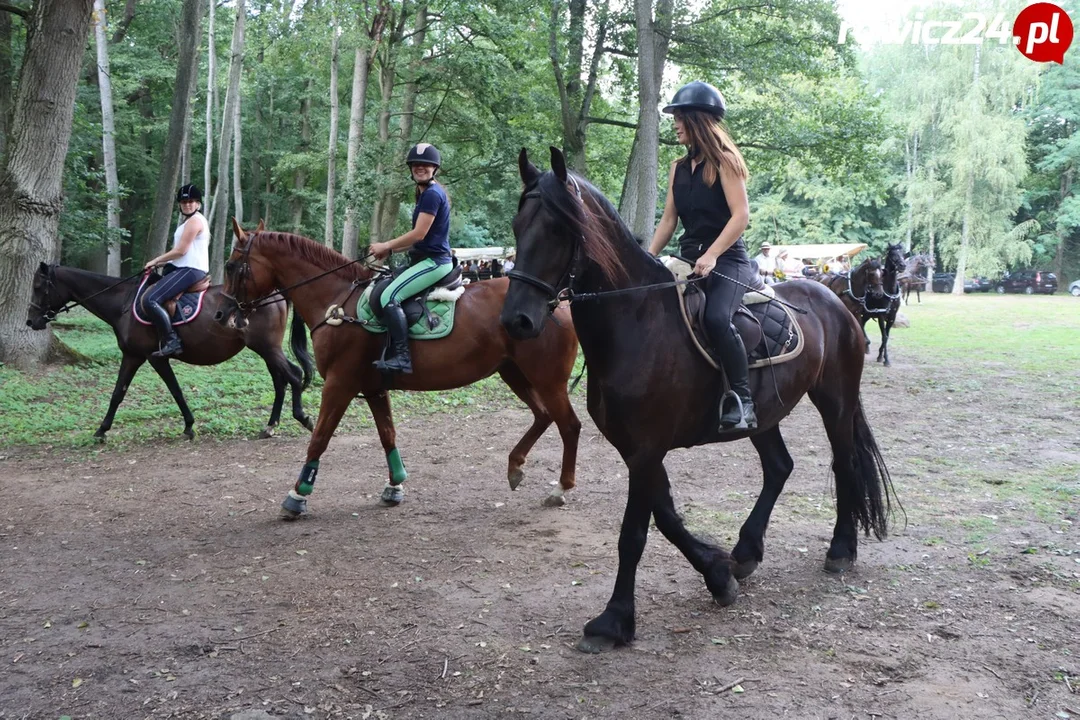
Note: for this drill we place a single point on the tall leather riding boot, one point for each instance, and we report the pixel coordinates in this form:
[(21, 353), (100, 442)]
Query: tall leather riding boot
[(399, 359), (733, 357), (169, 340)]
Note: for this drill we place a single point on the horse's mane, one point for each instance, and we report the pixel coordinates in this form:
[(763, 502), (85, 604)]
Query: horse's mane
[(597, 231), (314, 252)]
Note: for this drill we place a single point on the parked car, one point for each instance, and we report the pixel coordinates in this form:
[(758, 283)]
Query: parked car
[(943, 283), (1074, 288), (1029, 282)]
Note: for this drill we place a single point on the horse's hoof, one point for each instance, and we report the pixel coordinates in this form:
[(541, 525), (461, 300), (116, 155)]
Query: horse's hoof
[(515, 477), (743, 570), (292, 508), (595, 644), (392, 495), (308, 423), (729, 594), (189, 433), (99, 437), (555, 500), (838, 565), (268, 432)]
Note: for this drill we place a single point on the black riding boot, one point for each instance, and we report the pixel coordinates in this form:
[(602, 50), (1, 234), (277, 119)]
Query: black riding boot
[(399, 359), (737, 406), (169, 340)]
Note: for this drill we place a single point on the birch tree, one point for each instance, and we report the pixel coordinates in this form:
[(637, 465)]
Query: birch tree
[(331, 153), (108, 140), (219, 240), (211, 100)]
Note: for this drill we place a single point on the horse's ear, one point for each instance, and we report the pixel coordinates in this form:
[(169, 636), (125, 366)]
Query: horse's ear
[(558, 163), (261, 227), (528, 171), (241, 236)]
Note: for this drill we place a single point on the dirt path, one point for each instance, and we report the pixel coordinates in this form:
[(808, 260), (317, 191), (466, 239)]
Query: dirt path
[(160, 583)]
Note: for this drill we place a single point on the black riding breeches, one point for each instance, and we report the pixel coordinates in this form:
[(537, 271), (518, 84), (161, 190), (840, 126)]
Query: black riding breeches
[(724, 295), (174, 283)]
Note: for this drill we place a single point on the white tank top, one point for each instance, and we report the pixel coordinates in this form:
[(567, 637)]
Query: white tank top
[(198, 255)]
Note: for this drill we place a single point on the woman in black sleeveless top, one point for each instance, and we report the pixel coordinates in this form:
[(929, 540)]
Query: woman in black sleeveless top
[(707, 192)]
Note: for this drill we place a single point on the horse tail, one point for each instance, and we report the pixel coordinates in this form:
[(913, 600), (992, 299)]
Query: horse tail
[(298, 343), (871, 492), (577, 380)]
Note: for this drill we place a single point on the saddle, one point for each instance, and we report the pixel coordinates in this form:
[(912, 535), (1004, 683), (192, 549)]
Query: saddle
[(183, 308), (429, 315), (768, 329)]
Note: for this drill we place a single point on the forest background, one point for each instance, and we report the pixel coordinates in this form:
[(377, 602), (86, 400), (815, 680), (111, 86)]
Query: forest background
[(299, 113)]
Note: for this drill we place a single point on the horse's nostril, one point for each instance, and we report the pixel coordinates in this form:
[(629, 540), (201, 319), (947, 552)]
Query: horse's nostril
[(524, 323), (219, 315)]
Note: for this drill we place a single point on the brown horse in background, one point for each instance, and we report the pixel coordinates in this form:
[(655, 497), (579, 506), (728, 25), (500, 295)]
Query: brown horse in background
[(651, 391), (316, 278), (205, 342)]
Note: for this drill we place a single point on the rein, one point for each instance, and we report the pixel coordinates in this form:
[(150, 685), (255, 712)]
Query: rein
[(276, 295), (50, 315)]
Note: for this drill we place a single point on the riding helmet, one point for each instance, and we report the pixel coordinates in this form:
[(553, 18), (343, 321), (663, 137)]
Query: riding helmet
[(424, 153), (189, 192), (699, 96)]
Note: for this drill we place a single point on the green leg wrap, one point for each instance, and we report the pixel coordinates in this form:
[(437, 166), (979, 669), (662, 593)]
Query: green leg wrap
[(306, 482), (397, 468)]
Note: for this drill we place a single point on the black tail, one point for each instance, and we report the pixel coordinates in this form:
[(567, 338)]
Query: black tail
[(872, 492), (298, 343), (577, 380)]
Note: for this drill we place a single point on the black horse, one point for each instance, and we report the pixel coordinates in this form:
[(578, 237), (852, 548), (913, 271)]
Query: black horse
[(872, 292), (205, 341), (650, 391)]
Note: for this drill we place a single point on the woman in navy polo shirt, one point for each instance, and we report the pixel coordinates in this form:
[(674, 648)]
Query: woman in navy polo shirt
[(429, 253)]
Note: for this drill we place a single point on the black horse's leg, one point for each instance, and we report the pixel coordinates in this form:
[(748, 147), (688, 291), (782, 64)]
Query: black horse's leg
[(129, 365), (883, 352), (615, 626), (296, 384), (166, 372), (866, 338), (840, 428), (278, 378), (776, 463), (708, 559)]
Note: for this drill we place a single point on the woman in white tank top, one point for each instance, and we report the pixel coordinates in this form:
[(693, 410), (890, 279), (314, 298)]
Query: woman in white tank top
[(187, 263)]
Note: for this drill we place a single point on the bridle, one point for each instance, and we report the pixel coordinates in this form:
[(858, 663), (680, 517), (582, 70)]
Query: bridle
[(50, 282), (565, 283)]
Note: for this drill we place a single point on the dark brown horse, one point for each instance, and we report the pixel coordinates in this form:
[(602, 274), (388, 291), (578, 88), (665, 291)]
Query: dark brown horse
[(650, 391), (918, 271), (872, 292), (205, 341), (536, 370)]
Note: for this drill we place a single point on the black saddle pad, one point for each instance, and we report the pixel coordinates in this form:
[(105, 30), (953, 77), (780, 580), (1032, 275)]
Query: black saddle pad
[(767, 330), (187, 307)]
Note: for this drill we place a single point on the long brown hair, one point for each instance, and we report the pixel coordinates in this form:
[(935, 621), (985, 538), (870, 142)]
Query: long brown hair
[(715, 146)]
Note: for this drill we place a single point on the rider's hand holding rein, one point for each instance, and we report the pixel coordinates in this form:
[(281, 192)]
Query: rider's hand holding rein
[(188, 206)]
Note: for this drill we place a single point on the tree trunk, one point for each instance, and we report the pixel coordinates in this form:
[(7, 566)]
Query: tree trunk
[(911, 160), (639, 195), (930, 235), (185, 153), (379, 233), (221, 195), (408, 112), (5, 80), (211, 101), (161, 218), (300, 175), (30, 185), (574, 99), (969, 192), (331, 152), (108, 142), (1064, 190), (238, 192), (361, 73)]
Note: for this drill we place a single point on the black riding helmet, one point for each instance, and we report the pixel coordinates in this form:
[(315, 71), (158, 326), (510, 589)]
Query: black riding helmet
[(699, 96), (424, 153), (189, 192)]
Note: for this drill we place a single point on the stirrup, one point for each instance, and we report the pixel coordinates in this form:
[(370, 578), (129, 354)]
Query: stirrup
[(171, 348), (742, 424)]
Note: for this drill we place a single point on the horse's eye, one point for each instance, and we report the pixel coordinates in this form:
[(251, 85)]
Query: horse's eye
[(230, 267)]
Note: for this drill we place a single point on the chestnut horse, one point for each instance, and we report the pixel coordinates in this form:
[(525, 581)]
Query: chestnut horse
[(650, 390), (316, 277), (56, 288)]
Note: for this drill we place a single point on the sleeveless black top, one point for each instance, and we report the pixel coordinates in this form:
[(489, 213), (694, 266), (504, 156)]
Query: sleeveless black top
[(703, 211)]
